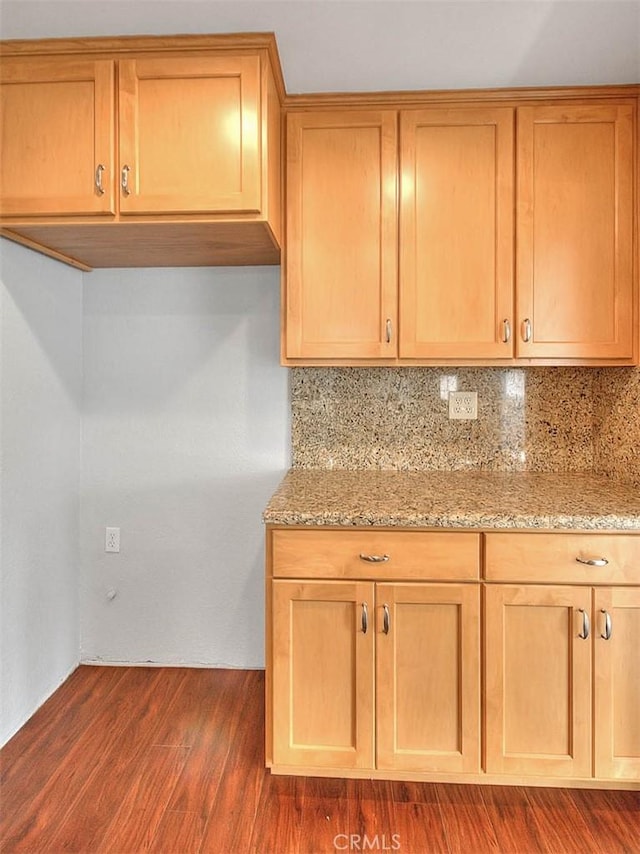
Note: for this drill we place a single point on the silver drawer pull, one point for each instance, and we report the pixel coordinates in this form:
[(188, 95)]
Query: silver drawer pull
[(526, 330), (386, 619), (388, 330), (365, 618), (586, 625), (607, 625), (593, 561), (374, 558), (506, 331)]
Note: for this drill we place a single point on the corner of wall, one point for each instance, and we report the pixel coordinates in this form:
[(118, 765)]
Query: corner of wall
[(40, 390)]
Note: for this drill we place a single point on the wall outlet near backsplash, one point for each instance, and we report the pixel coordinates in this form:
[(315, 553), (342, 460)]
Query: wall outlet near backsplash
[(463, 405), (532, 419)]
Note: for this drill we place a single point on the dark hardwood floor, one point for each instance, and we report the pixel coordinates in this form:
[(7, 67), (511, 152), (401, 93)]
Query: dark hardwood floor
[(171, 760)]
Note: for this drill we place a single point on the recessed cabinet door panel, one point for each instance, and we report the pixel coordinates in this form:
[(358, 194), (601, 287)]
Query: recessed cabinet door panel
[(456, 233), (57, 126), (190, 135), (538, 681), (428, 677), (341, 274), (617, 683), (575, 222), (323, 674)]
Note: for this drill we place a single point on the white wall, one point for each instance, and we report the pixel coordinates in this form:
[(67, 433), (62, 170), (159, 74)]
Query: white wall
[(40, 394), (185, 436)]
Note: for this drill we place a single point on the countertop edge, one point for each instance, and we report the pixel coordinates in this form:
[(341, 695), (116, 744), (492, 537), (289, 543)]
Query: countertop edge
[(547, 523)]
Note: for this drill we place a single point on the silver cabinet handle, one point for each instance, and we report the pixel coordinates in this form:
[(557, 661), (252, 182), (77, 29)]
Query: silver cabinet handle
[(386, 619), (365, 618), (124, 180), (586, 625), (593, 561), (506, 331), (607, 625), (526, 330), (98, 179), (374, 558), (389, 330)]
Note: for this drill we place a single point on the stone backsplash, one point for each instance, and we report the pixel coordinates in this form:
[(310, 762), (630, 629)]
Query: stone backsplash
[(616, 395), (529, 419)]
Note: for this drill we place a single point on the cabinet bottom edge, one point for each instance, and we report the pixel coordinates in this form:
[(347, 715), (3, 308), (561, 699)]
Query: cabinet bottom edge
[(442, 777)]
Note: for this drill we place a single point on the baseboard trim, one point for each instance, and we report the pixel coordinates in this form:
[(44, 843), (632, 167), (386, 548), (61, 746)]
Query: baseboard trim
[(203, 665)]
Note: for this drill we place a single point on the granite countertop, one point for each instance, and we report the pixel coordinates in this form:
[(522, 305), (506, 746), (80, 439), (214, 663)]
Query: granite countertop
[(461, 499)]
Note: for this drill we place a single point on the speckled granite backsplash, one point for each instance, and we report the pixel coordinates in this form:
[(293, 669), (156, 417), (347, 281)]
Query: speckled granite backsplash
[(529, 419), (616, 395)]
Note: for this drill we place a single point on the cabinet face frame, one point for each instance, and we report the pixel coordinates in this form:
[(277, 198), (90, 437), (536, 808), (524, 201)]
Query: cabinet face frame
[(499, 692), (142, 197), (616, 681), (488, 274), (45, 193), (346, 135), (531, 291)]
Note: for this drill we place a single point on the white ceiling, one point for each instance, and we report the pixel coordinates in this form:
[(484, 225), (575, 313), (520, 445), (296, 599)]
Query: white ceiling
[(359, 45)]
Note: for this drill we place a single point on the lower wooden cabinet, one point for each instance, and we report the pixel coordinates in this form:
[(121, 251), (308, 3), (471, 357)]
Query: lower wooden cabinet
[(323, 674), (616, 668), (376, 675), (563, 674), (428, 669), (538, 681), (451, 655)]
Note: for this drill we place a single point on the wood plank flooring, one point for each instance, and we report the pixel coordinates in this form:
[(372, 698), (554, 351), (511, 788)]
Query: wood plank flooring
[(171, 760)]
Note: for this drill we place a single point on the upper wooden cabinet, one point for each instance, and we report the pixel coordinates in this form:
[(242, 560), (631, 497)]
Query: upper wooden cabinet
[(57, 119), (341, 235), (456, 233), (145, 151), (511, 247), (575, 232), (189, 135)]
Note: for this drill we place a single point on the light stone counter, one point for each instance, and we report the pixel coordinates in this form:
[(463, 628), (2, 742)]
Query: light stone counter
[(464, 499)]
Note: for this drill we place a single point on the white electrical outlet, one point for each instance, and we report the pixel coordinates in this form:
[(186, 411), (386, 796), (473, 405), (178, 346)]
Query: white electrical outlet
[(112, 540), (463, 404)]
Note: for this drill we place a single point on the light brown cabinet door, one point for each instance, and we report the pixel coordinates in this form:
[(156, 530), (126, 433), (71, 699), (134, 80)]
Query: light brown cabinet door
[(538, 681), (428, 677), (456, 233), (57, 130), (323, 674), (341, 265), (574, 235), (617, 683), (190, 135)]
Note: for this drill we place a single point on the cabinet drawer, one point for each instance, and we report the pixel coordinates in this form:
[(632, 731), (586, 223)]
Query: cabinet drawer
[(393, 555), (551, 558)]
